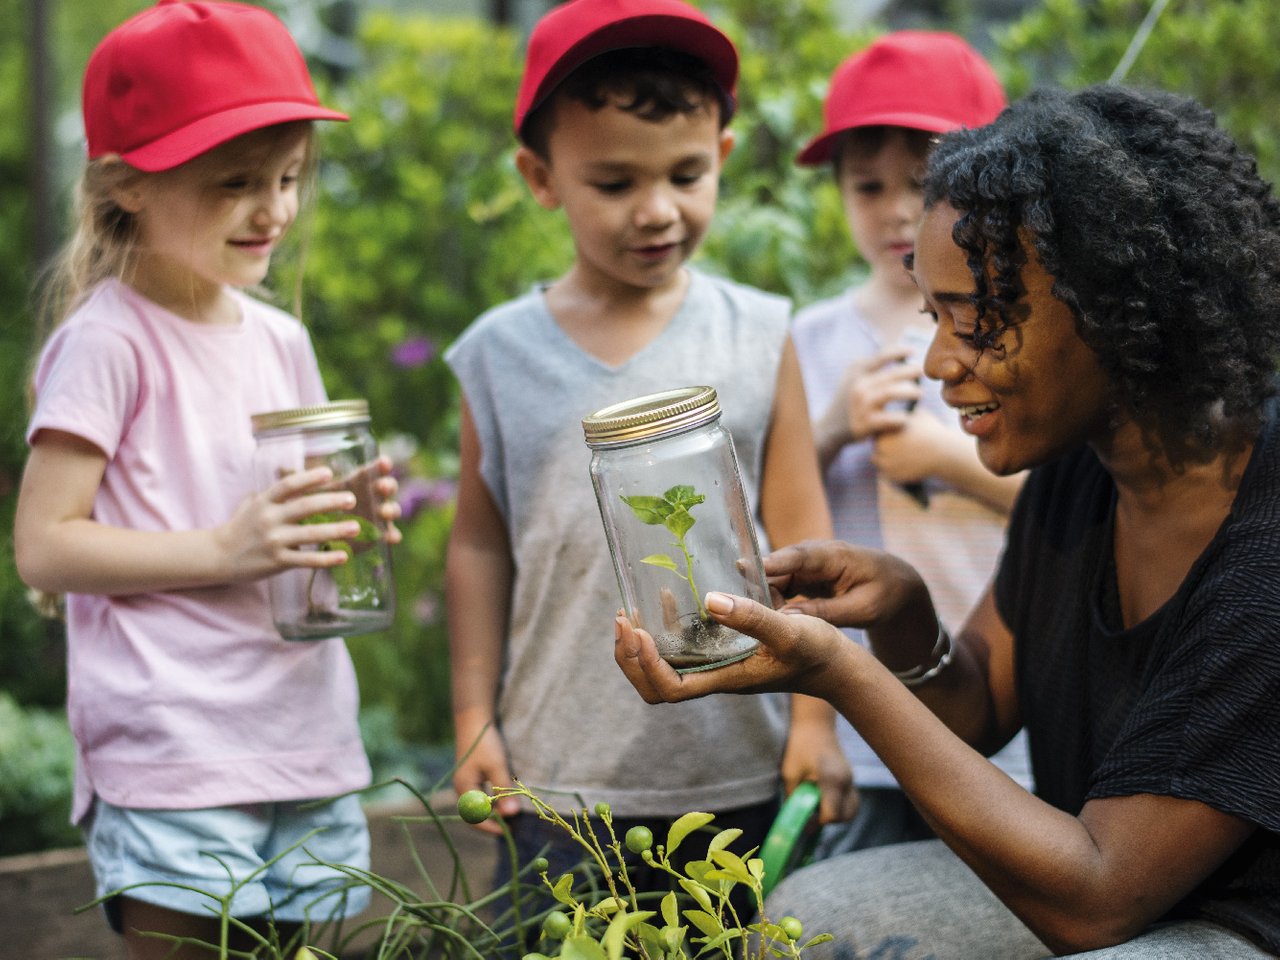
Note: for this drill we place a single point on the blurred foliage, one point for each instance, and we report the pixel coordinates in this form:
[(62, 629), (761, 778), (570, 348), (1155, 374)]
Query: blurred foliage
[(1222, 52), (36, 754), (422, 223)]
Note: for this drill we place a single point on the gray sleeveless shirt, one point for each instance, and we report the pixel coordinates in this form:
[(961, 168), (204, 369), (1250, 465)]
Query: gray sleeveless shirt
[(571, 721)]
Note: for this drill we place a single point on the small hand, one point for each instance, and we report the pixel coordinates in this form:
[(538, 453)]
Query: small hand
[(874, 394), (813, 754), (916, 451), (386, 486), (266, 534), (482, 765)]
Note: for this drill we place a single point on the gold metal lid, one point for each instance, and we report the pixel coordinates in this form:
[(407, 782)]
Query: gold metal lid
[(340, 413), (651, 416)]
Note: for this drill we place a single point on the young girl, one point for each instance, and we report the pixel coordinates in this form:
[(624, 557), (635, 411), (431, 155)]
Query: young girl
[(200, 732)]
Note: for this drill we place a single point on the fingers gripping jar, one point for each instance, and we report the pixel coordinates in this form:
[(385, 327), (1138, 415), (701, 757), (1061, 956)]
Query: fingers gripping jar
[(359, 595), (671, 498)]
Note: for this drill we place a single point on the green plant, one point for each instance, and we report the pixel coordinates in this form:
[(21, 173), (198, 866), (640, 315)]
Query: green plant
[(598, 914), (671, 510), (699, 921)]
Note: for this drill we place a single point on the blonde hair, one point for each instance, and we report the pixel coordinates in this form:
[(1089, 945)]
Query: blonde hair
[(102, 246)]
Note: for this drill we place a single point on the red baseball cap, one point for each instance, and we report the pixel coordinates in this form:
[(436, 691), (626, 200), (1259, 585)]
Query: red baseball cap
[(912, 78), (181, 78), (574, 32)]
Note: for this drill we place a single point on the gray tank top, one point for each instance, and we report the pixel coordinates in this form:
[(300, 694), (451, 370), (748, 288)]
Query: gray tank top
[(571, 721)]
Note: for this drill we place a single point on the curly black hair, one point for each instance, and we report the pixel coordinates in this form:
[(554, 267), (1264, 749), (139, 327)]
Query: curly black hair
[(1157, 229), (651, 82)]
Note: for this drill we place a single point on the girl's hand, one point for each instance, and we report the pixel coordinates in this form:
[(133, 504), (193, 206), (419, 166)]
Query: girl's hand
[(795, 653), (386, 486), (265, 535)]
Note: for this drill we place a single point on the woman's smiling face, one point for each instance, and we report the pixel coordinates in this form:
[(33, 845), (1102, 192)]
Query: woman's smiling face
[(1039, 390)]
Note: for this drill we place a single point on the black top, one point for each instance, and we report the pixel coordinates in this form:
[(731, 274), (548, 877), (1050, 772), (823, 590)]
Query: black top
[(1185, 704)]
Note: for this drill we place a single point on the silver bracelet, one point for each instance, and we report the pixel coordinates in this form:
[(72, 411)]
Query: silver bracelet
[(944, 650)]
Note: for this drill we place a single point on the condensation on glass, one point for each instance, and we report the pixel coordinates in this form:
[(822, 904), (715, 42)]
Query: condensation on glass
[(670, 495), (357, 596)]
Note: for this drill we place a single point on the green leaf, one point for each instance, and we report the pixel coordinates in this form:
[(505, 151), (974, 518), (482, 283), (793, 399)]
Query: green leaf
[(368, 532), (716, 942), (670, 911), (651, 940), (651, 510), (708, 923), (563, 890), (661, 560), (615, 937), (683, 496), (722, 839), (732, 864), (582, 948), (679, 521), (685, 826), (698, 892)]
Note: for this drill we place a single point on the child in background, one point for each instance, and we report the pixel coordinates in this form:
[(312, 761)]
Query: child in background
[(899, 472), (200, 733), (622, 116)]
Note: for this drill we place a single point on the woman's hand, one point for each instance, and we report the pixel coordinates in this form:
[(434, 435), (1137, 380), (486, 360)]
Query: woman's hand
[(795, 654), (845, 585)]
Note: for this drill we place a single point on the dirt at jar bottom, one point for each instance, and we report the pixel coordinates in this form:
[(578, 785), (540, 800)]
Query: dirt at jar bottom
[(702, 644), (323, 624)]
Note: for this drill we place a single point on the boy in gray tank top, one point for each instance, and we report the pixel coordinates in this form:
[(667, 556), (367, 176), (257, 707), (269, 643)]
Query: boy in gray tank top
[(622, 117)]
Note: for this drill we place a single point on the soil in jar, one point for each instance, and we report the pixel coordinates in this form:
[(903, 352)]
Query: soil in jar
[(700, 644)]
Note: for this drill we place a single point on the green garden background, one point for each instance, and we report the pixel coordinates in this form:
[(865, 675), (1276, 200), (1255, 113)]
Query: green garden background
[(421, 222)]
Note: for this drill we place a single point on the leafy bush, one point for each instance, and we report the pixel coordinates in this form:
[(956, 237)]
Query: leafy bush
[(1223, 54), (36, 760)]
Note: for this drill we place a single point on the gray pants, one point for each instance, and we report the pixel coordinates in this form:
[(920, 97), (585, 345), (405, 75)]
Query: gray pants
[(918, 901)]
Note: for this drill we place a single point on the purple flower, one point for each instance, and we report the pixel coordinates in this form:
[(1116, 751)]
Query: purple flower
[(426, 609), (413, 352), (418, 493), (441, 491)]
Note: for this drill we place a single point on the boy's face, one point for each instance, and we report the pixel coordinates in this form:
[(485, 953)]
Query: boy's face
[(883, 203), (638, 194)]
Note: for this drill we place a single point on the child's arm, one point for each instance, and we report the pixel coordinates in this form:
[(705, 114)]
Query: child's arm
[(60, 548), (924, 448), (478, 580), (793, 507)]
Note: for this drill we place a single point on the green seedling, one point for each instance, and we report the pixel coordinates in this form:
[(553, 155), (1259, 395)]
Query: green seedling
[(671, 510), (368, 534)]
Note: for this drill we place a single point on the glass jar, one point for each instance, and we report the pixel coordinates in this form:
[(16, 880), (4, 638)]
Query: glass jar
[(670, 495), (359, 595)]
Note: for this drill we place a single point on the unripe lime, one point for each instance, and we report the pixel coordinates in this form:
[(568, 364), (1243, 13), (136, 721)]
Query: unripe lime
[(474, 806), (556, 925), (639, 839), (602, 809), (791, 927)]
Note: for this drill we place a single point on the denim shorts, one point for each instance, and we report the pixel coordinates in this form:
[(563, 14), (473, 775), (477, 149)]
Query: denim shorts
[(190, 861)]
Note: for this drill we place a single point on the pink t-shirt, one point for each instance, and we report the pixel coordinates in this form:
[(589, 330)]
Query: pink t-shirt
[(189, 698)]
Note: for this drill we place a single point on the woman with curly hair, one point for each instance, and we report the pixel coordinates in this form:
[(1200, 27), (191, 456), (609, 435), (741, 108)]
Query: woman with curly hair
[(1104, 268)]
